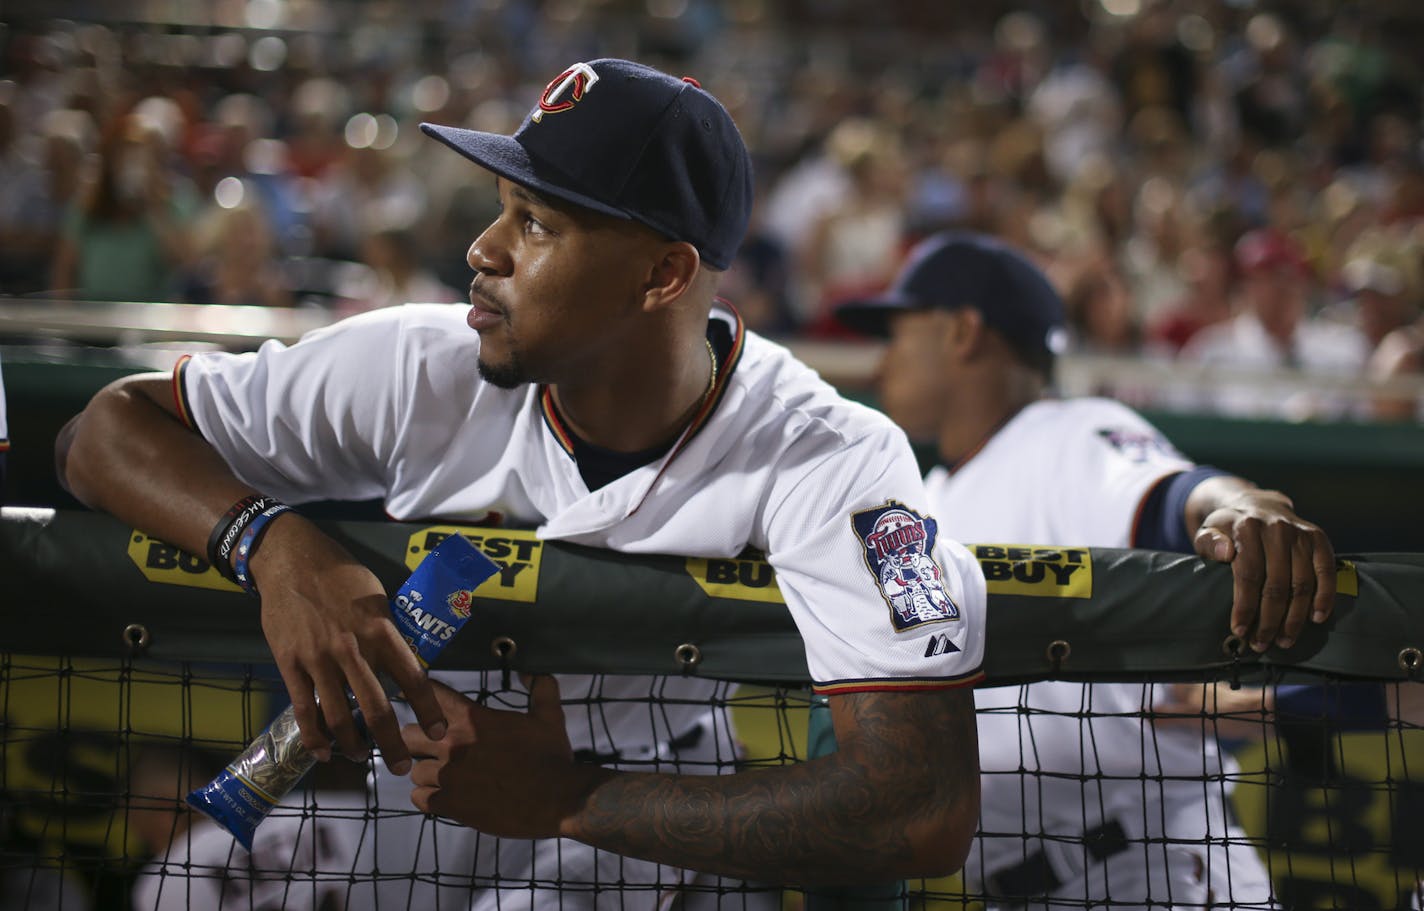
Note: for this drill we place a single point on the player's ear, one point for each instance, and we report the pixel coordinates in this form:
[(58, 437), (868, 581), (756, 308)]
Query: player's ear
[(675, 269), (964, 334)]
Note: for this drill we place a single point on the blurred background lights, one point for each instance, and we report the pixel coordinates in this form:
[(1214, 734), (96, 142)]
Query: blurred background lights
[(265, 13), (229, 192), (430, 94), (1122, 8), (267, 54), (387, 131), (361, 131)]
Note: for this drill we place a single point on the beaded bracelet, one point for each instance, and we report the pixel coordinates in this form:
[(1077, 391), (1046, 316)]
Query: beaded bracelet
[(251, 537)]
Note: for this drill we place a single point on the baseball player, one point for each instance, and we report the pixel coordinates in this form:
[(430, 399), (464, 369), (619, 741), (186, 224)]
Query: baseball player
[(1082, 801), (592, 391)]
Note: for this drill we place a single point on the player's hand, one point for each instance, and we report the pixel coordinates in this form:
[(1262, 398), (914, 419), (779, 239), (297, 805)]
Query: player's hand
[(327, 620), (1283, 566), (510, 774), (1240, 714)]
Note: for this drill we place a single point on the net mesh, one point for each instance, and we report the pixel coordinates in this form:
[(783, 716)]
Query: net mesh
[(1089, 800)]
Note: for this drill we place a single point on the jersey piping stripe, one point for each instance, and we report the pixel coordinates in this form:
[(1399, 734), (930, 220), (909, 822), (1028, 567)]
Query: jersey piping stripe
[(180, 393), (551, 420), (724, 373), (906, 685)]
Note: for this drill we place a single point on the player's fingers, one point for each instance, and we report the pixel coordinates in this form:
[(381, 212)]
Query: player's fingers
[(544, 701), (1248, 574), (1214, 544), (1277, 546), (426, 774), (336, 711), (1302, 592), (1323, 561), (417, 688), (419, 743), (422, 799), (302, 692), (380, 719)]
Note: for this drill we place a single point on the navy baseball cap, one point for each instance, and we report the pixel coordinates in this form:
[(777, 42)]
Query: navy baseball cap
[(630, 141), (958, 269)]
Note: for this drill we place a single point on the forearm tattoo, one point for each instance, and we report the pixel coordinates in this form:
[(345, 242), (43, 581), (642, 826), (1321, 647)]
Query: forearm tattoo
[(904, 760)]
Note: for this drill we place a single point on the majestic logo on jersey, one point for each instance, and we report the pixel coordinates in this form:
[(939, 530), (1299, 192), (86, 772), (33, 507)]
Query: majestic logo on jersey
[(567, 89), (1137, 445), (940, 644), (899, 551)]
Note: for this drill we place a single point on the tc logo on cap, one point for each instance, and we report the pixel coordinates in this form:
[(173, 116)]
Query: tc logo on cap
[(565, 91)]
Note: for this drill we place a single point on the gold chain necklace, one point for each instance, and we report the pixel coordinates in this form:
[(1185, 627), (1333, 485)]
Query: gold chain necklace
[(711, 383)]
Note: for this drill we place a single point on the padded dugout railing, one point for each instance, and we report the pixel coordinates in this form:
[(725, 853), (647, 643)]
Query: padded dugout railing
[(108, 632)]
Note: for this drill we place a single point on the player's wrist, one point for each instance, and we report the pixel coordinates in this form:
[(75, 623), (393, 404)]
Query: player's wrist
[(578, 820), (228, 532), (252, 538)]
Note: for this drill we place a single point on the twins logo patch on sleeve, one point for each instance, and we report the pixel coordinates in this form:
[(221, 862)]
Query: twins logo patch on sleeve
[(1136, 445), (898, 544)]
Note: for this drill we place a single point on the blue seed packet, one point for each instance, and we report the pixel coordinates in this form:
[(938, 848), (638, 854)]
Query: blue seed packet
[(428, 610)]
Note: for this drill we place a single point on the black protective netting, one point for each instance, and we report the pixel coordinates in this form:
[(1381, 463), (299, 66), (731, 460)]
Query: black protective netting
[(1089, 799)]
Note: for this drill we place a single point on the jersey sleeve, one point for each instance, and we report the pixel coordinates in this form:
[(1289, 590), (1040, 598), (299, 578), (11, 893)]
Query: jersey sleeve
[(318, 420), (1115, 460), (882, 599)]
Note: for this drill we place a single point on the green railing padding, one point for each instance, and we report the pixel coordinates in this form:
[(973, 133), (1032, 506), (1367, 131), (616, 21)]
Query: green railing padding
[(82, 584)]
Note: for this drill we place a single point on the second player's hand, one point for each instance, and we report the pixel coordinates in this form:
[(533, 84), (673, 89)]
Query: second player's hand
[(1283, 566), (505, 773), (327, 620)]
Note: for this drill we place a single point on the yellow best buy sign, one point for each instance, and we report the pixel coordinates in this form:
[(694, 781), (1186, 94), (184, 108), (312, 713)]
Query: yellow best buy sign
[(518, 554)]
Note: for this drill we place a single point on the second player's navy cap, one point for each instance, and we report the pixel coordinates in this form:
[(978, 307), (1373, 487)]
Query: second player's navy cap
[(630, 141), (951, 270)]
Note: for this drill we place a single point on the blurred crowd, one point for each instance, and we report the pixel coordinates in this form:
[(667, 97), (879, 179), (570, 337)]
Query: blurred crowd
[(1222, 183)]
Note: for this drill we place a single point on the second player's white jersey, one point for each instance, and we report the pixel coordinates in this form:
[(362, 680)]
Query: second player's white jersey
[(1076, 472)]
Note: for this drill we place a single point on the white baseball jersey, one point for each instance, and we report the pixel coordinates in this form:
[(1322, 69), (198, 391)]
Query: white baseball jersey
[(1077, 472), (205, 867), (390, 404)]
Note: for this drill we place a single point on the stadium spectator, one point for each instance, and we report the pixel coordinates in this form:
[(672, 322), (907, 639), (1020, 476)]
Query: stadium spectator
[(368, 187), (1206, 270), (1399, 354), (236, 260), (854, 245), (392, 275), (1100, 313), (1274, 330), (126, 238)]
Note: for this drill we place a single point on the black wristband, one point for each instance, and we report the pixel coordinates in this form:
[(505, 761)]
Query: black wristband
[(228, 530)]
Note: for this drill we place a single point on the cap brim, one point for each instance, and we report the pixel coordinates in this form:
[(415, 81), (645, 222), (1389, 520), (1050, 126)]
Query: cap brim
[(872, 316), (505, 156)]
